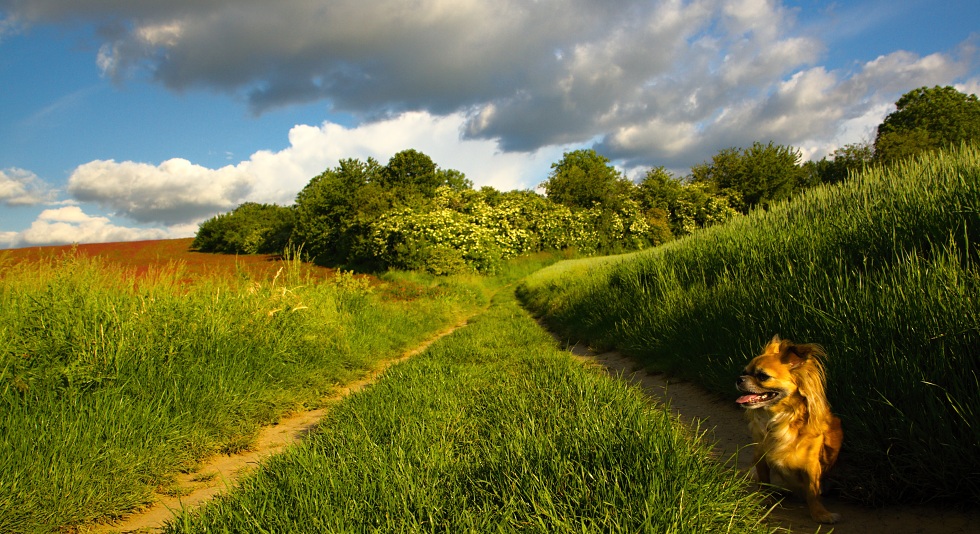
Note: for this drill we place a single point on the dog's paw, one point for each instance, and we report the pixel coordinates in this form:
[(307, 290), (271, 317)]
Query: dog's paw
[(827, 518)]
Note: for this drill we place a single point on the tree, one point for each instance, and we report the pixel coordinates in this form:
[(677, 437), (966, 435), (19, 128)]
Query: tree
[(336, 210), (927, 119), (758, 175), (330, 207), (251, 228), (843, 162), (658, 189), (456, 180), (583, 179), (411, 172), (685, 207)]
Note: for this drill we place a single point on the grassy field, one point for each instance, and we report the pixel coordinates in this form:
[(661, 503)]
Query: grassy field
[(115, 376), (118, 374), (883, 270), (492, 429)]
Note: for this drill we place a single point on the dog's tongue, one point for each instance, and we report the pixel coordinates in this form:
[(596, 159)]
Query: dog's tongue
[(745, 399)]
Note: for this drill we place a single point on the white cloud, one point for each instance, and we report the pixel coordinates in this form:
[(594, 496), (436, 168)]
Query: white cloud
[(312, 149), (19, 187), (664, 82), (70, 224), (528, 74), (814, 109), (176, 191), (497, 89)]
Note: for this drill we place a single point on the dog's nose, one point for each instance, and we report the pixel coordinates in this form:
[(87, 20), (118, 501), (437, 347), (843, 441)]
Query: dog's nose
[(741, 381)]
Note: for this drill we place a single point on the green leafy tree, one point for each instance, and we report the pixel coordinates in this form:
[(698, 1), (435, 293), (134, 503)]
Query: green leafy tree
[(683, 207), (927, 119), (411, 175), (583, 179), (336, 210), (843, 162), (453, 179), (251, 228), (659, 189), (758, 175), (332, 209)]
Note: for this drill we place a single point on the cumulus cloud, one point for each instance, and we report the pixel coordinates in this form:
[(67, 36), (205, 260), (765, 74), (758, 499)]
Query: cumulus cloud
[(19, 187), (175, 191), (179, 192), (527, 74), (312, 149), (70, 224), (665, 82), (814, 109)]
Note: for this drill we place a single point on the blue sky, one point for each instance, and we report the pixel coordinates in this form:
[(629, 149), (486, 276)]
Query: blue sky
[(127, 120)]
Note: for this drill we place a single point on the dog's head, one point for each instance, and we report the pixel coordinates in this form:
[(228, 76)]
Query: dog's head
[(780, 372)]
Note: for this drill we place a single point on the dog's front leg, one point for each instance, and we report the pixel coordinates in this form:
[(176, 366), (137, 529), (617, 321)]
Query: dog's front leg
[(817, 510)]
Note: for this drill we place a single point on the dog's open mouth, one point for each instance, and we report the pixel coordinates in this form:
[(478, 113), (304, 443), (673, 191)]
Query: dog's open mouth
[(757, 399)]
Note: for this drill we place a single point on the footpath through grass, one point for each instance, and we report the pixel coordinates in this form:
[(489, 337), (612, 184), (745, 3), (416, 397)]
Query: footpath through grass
[(882, 270), (492, 429), (110, 382)]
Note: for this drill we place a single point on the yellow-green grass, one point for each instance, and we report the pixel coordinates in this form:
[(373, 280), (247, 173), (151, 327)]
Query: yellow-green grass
[(492, 429), (113, 378), (881, 270)]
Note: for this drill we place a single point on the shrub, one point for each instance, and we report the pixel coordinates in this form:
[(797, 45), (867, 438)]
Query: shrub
[(249, 229)]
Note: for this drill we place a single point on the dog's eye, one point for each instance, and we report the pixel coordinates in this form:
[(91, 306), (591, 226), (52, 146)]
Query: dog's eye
[(761, 376)]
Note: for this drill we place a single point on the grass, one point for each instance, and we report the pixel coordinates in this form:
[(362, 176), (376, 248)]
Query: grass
[(882, 270), (492, 429), (114, 377)]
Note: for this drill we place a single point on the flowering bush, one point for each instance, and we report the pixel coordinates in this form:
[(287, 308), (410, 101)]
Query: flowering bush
[(442, 241), (696, 208), (412, 215), (466, 230)]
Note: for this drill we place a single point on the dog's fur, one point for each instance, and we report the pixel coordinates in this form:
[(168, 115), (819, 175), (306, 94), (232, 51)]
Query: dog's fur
[(789, 417)]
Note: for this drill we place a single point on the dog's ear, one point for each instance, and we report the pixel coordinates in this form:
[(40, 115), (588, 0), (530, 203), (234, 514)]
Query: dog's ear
[(775, 345), (806, 365), (798, 354)]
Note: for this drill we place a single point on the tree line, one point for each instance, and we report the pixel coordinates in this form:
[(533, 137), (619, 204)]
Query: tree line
[(412, 214)]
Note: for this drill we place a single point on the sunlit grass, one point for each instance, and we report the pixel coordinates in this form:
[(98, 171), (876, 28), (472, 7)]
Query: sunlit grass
[(113, 379), (881, 270), (493, 429)]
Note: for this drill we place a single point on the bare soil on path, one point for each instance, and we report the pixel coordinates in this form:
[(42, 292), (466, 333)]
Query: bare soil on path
[(724, 426), (222, 473)]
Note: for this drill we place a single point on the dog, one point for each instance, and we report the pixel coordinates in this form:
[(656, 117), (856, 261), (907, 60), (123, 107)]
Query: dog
[(795, 433)]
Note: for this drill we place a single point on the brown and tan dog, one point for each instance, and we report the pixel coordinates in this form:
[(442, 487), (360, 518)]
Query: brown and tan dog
[(789, 417)]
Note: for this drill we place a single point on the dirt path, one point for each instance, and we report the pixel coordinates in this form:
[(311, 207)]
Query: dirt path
[(222, 473), (724, 425)]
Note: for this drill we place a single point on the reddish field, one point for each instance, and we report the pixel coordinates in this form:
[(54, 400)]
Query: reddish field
[(142, 255)]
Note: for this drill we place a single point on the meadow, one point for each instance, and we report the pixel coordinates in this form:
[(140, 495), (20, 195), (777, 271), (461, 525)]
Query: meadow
[(114, 377), (883, 270), (121, 368), (492, 429)]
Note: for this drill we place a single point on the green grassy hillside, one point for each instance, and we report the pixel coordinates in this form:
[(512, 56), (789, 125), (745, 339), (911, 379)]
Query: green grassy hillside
[(882, 270)]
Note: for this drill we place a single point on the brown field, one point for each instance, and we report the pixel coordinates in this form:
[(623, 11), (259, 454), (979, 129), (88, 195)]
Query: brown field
[(141, 256)]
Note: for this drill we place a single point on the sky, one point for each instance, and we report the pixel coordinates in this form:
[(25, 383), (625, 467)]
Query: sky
[(124, 120)]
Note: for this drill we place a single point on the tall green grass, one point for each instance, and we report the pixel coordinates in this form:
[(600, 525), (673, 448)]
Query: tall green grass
[(111, 383), (882, 270), (492, 429)]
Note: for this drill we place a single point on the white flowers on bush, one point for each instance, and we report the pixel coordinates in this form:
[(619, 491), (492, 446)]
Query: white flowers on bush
[(461, 231)]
